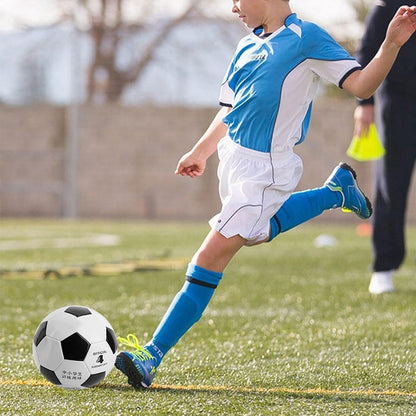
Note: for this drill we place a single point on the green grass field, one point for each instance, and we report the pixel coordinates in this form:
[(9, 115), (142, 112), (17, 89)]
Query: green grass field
[(292, 329)]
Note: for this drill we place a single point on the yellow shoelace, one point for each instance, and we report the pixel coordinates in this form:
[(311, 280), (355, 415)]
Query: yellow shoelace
[(133, 342)]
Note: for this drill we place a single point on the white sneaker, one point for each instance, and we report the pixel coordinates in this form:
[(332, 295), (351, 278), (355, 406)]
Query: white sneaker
[(381, 282)]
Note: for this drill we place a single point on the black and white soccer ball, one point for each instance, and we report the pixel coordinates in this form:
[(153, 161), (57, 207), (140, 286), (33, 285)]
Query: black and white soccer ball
[(75, 347)]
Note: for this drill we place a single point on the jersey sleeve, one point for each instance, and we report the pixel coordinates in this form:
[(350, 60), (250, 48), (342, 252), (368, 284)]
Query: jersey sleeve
[(326, 57), (226, 97)]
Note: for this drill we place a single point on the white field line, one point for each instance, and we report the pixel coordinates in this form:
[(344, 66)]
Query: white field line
[(66, 242)]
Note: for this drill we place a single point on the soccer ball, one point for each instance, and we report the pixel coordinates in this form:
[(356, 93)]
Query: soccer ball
[(75, 347)]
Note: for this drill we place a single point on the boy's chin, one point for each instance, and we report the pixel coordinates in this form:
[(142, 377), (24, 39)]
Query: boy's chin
[(249, 26)]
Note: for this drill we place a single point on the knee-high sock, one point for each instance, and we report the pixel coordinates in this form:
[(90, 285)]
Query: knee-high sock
[(303, 206), (186, 309)]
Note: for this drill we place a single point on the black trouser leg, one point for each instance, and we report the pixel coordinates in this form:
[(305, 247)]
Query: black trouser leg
[(392, 180)]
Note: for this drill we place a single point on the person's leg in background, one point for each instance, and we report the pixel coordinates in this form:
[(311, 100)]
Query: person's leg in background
[(392, 178)]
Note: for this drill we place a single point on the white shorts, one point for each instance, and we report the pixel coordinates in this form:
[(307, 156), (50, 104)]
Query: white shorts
[(252, 189)]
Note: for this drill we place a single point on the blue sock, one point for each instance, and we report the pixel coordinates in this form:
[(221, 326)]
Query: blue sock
[(186, 309), (303, 206)]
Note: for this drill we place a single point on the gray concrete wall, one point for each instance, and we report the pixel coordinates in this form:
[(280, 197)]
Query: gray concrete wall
[(127, 156)]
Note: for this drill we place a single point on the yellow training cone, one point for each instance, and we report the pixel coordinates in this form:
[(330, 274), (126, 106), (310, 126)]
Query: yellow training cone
[(366, 147)]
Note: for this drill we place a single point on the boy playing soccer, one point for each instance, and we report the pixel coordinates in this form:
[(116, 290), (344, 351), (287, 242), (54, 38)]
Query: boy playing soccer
[(266, 101)]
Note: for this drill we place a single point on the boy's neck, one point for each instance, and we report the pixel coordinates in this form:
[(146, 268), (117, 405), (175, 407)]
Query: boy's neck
[(276, 16)]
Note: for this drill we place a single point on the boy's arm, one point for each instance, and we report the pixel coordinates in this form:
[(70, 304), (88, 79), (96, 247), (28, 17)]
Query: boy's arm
[(193, 163), (365, 82)]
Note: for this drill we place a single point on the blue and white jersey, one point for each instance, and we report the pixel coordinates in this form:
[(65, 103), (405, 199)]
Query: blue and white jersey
[(272, 81)]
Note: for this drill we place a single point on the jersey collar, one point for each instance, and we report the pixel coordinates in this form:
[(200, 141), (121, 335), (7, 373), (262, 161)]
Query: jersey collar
[(292, 18)]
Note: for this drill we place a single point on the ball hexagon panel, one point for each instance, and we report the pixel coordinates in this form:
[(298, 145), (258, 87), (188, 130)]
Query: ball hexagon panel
[(72, 374), (35, 356), (100, 357), (48, 353), (93, 327), (61, 325)]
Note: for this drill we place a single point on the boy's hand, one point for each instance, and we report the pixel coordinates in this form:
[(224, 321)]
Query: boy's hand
[(188, 165), (402, 26)]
